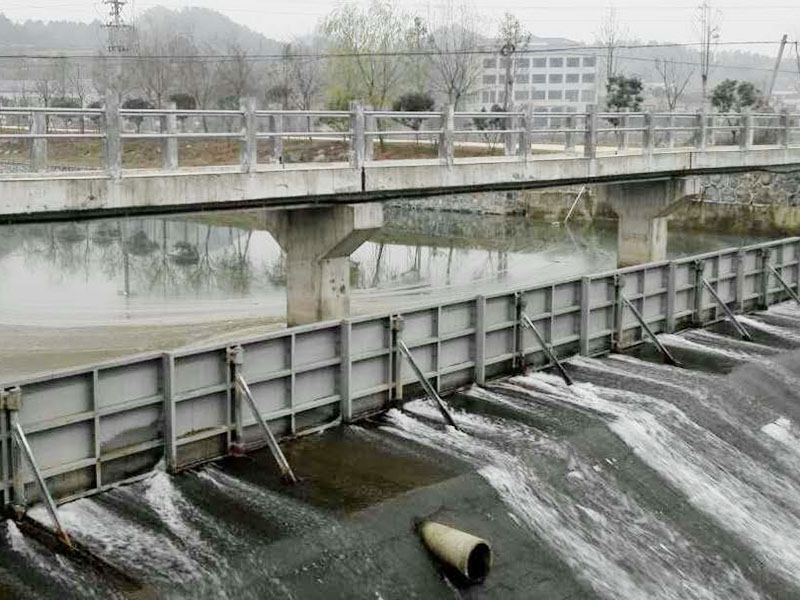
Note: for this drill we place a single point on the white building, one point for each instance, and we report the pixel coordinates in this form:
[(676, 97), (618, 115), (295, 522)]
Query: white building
[(549, 80)]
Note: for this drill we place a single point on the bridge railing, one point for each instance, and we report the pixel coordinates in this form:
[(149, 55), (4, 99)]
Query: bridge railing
[(42, 139)]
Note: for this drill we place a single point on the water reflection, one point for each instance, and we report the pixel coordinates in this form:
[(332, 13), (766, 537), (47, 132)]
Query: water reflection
[(226, 265)]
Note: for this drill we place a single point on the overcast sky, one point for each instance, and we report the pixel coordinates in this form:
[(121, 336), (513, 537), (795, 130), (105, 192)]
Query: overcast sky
[(662, 20)]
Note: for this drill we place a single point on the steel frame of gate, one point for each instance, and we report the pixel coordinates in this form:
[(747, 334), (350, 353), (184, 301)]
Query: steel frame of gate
[(94, 427)]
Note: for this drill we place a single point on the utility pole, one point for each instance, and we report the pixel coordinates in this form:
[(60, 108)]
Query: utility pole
[(777, 66), (709, 34), (117, 28), (117, 44)]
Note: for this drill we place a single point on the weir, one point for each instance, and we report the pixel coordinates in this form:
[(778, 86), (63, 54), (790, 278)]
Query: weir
[(94, 427)]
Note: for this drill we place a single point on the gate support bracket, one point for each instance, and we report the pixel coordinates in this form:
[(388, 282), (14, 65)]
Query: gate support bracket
[(738, 326), (785, 285), (426, 385), (548, 351), (661, 347)]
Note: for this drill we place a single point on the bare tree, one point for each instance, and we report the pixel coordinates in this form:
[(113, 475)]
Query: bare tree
[(198, 75), (453, 39), (708, 20), (417, 65), (611, 36), (675, 78), (372, 38), (513, 40), (236, 74), (306, 70), (156, 69)]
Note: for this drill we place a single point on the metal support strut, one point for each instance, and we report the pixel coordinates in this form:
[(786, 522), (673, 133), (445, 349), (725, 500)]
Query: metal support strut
[(21, 443), (661, 347), (426, 385), (283, 464), (785, 285), (738, 326), (549, 352)]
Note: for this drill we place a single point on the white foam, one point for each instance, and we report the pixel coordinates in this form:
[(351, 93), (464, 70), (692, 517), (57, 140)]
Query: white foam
[(716, 478), (608, 539)]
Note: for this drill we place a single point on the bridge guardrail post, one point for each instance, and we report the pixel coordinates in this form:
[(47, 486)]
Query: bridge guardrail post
[(113, 124), (784, 122), (169, 125), (249, 148), (38, 127), (624, 120), (370, 124), (569, 135), (526, 136), (745, 130), (648, 133), (590, 132), (670, 130), (701, 130), (357, 128), (276, 127), (446, 141)]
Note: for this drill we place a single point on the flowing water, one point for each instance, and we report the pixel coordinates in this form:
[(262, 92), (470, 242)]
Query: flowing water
[(641, 481)]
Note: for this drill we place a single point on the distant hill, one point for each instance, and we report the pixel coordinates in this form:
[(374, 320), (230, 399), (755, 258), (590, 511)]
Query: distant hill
[(207, 26)]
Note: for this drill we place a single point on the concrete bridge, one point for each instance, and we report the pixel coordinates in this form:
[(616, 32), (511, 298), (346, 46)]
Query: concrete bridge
[(327, 209)]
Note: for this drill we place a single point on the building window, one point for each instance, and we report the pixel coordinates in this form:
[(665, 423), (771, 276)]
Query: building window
[(556, 63), (556, 77), (489, 63), (486, 98), (588, 78), (521, 95), (489, 79), (505, 63), (574, 62), (587, 95), (539, 63), (554, 95), (538, 78), (589, 61), (537, 95), (571, 95), (501, 79), (573, 78), (523, 79), (523, 63)]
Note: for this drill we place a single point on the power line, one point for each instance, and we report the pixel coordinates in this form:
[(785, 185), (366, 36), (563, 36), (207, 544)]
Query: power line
[(388, 54)]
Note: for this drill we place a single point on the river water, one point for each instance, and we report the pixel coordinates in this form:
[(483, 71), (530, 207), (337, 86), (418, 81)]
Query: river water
[(75, 293), (641, 481)]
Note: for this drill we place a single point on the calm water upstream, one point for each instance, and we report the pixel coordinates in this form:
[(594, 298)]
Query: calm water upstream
[(226, 266)]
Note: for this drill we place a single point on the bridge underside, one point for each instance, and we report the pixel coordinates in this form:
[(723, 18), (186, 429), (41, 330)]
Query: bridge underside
[(87, 195)]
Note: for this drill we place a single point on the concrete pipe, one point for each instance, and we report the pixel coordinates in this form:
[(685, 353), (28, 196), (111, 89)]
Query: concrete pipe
[(470, 555)]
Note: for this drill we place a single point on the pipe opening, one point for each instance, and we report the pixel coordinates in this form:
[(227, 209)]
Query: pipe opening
[(479, 562)]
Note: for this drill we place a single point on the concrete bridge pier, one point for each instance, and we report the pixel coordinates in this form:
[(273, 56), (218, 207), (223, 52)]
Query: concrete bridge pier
[(643, 209), (318, 243)]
